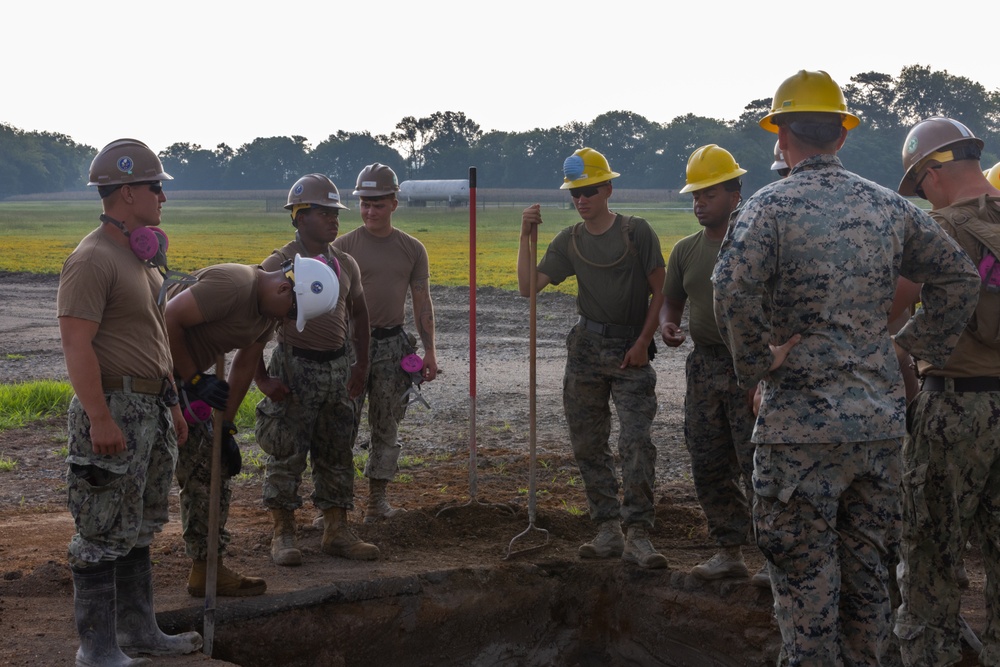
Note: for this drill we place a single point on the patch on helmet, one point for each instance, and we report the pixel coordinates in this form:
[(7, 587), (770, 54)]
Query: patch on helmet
[(316, 287), (911, 145), (125, 164), (297, 190), (573, 168)]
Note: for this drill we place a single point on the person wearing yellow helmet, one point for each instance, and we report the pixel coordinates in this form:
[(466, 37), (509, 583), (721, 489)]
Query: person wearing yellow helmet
[(803, 285), (718, 419), (619, 270), (993, 175), (311, 385), (951, 464), (230, 307), (124, 421)]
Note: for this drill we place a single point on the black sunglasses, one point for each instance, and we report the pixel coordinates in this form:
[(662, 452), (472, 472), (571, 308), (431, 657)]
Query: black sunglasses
[(919, 190), (585, 191)]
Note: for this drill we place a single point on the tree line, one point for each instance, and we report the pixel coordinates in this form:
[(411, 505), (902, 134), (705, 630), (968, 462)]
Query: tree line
[(445, 144)]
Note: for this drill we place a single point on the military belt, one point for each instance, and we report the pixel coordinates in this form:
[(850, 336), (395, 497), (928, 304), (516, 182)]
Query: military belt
[(381, 333), (136, 385), (610, 330), (320, 356), (959, 385)]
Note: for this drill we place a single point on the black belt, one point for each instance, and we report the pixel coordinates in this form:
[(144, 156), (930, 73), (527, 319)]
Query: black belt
[(713, 350), (610, 330), (136, 385), (381, 333), (961, 385), (318, 355)]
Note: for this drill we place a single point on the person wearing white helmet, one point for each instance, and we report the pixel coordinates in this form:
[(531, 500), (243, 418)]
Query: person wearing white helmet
[(619, 270), (125, 424), (718, 418), (951, 461), (393, 263), (230, 307), (311, 387), (779, 164), (803, 286)]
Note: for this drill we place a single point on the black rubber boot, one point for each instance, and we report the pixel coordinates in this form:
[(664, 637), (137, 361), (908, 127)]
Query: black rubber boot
[(94, 607), (137, 628)]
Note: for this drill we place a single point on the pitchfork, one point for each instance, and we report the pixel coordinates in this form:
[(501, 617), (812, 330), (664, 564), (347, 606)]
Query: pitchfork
[(533, 288)]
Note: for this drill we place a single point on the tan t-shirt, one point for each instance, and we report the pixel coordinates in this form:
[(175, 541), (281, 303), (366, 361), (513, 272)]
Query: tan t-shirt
[(389, 266), (227, 297), (327, 331), (105, 283)]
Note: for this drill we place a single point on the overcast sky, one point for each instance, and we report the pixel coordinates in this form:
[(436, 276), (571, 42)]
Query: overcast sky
[(216, 71)]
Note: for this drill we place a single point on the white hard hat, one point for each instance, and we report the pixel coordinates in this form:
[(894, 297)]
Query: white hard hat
[(317, 289)]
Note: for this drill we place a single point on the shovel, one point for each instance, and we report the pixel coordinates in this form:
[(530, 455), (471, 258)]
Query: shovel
[(533, 289), (214, 496)]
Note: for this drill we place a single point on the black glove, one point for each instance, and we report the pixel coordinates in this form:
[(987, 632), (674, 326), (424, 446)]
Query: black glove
[(232, 461), (210, 389)]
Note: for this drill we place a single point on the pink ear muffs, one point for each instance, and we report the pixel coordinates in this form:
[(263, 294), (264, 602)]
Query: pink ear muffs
[(412, 363), (144, 243)]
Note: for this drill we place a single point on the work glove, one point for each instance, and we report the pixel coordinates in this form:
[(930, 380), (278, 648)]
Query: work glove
[(232, 461), (209, 388)]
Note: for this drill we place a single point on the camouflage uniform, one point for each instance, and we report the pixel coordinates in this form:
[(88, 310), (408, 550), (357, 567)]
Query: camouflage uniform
[(593, 375), (384, 387), (823, 249), (120, 501), (951, 474), (194, 475), (311, 423), (718, 422)]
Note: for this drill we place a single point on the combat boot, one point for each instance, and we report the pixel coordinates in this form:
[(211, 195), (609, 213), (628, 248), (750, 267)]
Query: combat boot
[(283, 549), (728, 562), (95, 609), (609, 542), (639, 550), (338, 540), (227, 583), (378, 504), (138, 631)]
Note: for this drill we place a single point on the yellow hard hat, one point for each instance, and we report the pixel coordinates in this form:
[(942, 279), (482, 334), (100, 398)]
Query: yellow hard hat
[(710, 165), (809, 91), (993, 175), (586, 167)]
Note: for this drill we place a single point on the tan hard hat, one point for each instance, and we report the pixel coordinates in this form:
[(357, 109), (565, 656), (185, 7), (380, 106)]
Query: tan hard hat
[(376, 180), (925, 141), (126, 161), (315, 189)]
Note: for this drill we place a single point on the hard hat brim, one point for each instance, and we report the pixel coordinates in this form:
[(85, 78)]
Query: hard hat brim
[(713, 180), (589, 180), (848, 120)]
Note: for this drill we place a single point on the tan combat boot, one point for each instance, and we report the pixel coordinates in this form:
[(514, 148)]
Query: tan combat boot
[(283, 549), (728, 563), (338, 540), (227, 583), (609, 542), (378, 505), (639, 550)]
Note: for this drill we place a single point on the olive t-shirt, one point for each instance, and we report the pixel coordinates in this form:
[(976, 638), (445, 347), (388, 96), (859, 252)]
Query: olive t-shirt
[(329, 330), (689, 277), (106, 283), (389, 266), (617, 294)]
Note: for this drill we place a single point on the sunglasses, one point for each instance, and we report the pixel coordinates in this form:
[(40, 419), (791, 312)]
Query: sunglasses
[(919, 190), (586, 191)]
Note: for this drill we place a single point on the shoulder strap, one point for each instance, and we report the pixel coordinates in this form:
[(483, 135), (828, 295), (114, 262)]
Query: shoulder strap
[(626, 236)]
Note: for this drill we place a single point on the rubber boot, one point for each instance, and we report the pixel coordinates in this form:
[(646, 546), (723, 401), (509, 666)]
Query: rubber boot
[(727, 563), (378, 505), (639, 550), (227, 583), (609, 543), (137, 628), (283, 549), (338, 540), (95, 609)]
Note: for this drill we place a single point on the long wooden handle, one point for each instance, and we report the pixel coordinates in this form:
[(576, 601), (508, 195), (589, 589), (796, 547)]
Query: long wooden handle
[(214, 510)]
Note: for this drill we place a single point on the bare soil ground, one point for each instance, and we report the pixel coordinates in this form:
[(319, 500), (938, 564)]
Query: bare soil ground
[(36, 591)]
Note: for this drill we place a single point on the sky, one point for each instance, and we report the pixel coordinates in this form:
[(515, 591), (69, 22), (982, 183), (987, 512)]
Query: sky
[(217, 71)]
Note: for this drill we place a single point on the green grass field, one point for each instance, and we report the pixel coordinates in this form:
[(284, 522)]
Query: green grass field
[(37, 236)]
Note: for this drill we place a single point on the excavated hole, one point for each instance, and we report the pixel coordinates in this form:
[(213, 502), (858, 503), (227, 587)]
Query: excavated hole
[(515, 614)]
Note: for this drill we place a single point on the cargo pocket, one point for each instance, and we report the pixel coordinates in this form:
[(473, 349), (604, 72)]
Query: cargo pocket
[(916, 515), (271, 435), (95, 499)]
